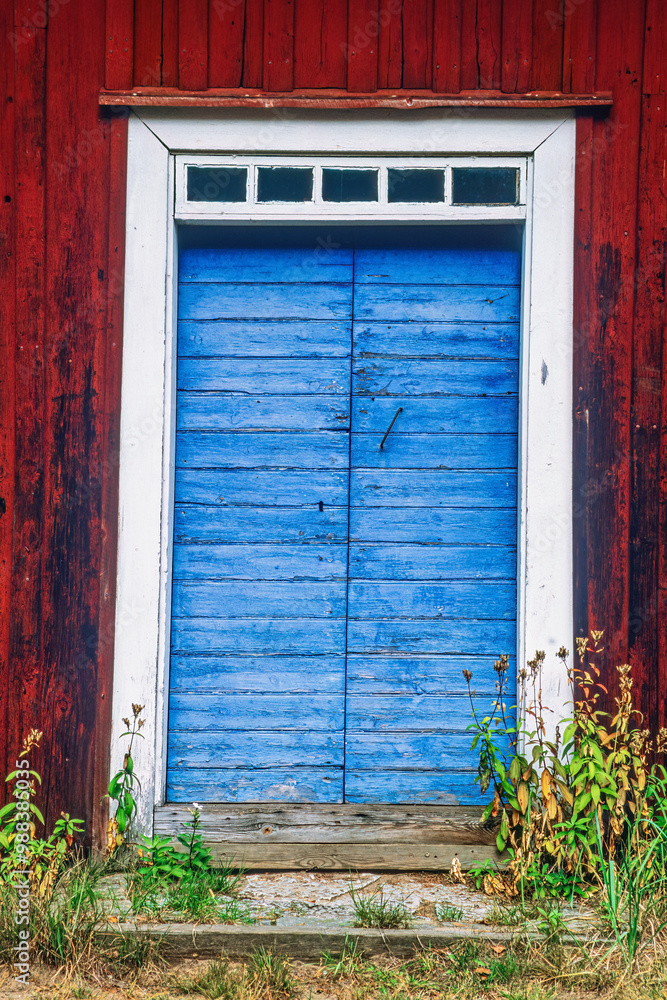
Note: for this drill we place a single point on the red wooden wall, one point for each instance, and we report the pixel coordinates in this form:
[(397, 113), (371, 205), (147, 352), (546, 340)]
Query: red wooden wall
[(61, 271)]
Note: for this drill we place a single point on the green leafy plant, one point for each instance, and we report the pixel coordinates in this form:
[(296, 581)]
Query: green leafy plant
[(20, 847), (552, 795), (122, 786)]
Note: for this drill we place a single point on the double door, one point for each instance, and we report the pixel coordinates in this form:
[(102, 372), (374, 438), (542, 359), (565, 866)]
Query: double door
[(345, 517)]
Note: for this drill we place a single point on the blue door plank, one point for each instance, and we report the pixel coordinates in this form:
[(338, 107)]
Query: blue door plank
[(477, 637), (260, 562), (263, 449), (437, 414), (206, 712), (452, 599), (258, 599), (418, 713), (202, 300), (433, 488), (198, 523), (254, 635), (445, 303), (267, 674), (436, 340), (285, 488), (224, 338), (393, 377), (407, 751), (260, 265), (225, 411), (381, 561), (330, 376), (450, 788), (439, 674), (233, 749), (433, 525), (437, 266), (271, 784), (404, 450)]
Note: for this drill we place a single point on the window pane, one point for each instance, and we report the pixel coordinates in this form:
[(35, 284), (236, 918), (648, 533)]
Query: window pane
[(485, 185), (284, 184), (349, 185), (416, 185), (217, 183)]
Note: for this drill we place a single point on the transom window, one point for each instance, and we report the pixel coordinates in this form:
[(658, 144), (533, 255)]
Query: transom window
[(456, 188)]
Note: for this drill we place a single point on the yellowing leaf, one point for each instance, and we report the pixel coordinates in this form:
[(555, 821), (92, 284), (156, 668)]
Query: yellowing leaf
[(523, 796), (546, 784)]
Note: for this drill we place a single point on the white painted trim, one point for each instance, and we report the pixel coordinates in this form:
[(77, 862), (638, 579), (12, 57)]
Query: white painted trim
[(147, 432)]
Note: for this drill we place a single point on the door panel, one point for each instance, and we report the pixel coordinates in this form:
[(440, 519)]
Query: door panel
[(328, 593), (259, 591), (432, 563)]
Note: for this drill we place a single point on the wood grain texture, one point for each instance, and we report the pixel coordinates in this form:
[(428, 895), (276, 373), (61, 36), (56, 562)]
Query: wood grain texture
[(8, 381), (72, 434), (517, 45), (253, 44), (481, 55), (26, 680), (363, 28), (418, 45), (120, 44), (447, 18), (616, 154), (279, 45), (226, 27), (193, 44), (320, 37), (148, 53), (390, 44), (546, 70)]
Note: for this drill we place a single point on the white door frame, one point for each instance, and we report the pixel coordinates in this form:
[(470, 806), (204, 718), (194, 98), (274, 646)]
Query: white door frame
[(156, 138)]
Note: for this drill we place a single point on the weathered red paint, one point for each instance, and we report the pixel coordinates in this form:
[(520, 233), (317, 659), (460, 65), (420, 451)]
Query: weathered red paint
[(62, 167)]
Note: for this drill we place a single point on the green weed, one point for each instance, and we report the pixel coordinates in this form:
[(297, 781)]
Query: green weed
[(373, 910), (270, 974), (447, 913)]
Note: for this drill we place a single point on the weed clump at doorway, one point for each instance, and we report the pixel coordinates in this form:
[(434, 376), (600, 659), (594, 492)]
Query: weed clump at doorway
[(373, 910), (265, 976)]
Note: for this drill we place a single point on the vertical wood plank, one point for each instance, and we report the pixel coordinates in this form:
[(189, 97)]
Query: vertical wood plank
[(7, 363), (320, 37), (481, 62), (647, 548), (447, 46), (609, 372), (170, 43), (279, 45), (193, 44), (76, 314), (147, 55), (253, 45), (517, 45), (362, 46), (119, 44), (390, 45), (110, 460), (27, 667), (579, 45), (546, 71), (583, 309), (417, 45), (226, 24)]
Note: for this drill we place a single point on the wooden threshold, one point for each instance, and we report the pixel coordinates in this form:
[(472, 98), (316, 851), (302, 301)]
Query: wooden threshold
[(338, 837), (164, 97)]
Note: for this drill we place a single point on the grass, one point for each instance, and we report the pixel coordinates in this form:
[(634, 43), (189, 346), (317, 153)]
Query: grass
[(373, 910), (265, 975), (448, 914), (193, 898)]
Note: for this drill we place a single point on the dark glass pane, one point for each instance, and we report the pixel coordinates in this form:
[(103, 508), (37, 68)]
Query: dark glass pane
[(485, 185), (349, 185), (416, 184), (217, 183), (284, 184)]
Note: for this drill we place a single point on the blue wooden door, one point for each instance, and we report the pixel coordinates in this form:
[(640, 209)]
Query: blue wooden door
[(432, 565), (257, 688), (328, 592)]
